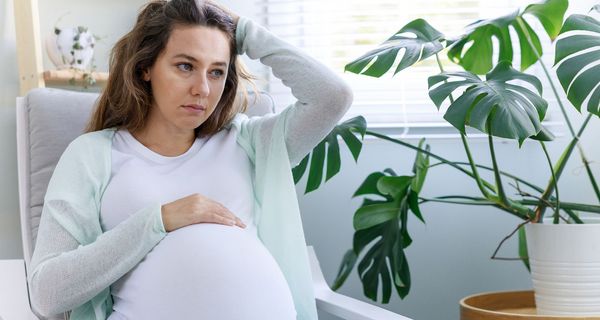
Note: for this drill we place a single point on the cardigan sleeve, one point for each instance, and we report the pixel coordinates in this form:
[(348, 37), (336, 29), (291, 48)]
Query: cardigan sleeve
[(322, 97), (73, 260)]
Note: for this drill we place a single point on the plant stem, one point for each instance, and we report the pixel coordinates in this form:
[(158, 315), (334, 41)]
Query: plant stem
[(465, 144), (482, 202), (503, 201), (562, 108), (557, 208), (531, 185), (497, 175), (505, 239), (559, 167), (565, 205), (410, 146), (474, 167), (586, 163), (560, 104), (474, 202), (439, 62)]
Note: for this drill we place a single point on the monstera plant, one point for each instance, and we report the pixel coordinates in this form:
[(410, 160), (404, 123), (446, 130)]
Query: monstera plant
[(505, 103)]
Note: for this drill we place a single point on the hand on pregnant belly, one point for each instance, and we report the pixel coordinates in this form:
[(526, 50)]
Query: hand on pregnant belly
[(194, 209)]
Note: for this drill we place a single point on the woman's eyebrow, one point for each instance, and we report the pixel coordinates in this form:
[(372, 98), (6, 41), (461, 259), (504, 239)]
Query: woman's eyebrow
[(185, 56), (190, 58), (220, 64)]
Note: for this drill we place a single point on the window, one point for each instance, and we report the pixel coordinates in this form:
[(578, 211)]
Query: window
[(338, 31)]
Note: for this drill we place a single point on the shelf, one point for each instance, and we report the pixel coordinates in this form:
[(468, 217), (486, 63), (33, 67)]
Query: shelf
[(68, 75), (509, 305)]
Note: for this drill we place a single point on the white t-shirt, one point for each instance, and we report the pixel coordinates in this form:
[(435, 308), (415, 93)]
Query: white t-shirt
[(202, 271)]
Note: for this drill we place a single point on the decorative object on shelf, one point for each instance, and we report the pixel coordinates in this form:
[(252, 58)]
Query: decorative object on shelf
[(73, 49), (496, 106)]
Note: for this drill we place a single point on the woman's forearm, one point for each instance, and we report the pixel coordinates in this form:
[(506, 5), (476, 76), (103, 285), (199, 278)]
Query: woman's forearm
[(323, 97), (65, 274)]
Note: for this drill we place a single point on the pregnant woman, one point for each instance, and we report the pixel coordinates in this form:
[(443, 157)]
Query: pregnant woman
[(175, 205)]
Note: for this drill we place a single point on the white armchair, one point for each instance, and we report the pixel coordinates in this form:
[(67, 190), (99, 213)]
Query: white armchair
[(48, 119)]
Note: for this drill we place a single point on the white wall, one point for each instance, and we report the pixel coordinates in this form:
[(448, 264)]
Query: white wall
[(449, 258)]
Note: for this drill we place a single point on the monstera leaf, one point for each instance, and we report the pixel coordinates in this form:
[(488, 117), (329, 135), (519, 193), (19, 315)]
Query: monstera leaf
[(492, 106), (427, 42), (329, 149), (579, 74), (383, 223), (478, 39)]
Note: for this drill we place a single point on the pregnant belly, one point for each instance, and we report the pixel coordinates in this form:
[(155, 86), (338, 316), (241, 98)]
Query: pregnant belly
[(205, 271)]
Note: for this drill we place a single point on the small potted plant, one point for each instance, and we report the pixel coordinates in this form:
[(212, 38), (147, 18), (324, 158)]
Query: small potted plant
[(507, 103), (73, 49)]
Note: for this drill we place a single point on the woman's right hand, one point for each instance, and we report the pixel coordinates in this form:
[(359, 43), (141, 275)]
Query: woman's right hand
[(196, 208)]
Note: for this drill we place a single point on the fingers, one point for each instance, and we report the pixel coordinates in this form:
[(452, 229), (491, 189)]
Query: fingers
[(230, 218), (240, 223), (220, 214)]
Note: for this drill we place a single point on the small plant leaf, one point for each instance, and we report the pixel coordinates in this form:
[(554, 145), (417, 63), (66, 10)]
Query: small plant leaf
[(395, 187), (383, 225), (579, 74), (523, 247), (474, 50), (425, 42), (550, 14), (420, 167), (544, 135), (326, 155), (317, 162), (298, 171), (345, 269), (514, 112), (374, 214), (369, 186)]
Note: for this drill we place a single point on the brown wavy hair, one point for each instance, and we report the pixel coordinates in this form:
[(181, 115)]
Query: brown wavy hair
[(127, 98)]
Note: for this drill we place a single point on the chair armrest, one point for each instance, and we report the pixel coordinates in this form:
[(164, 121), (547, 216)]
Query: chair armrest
[(340, 305), (352, 309)]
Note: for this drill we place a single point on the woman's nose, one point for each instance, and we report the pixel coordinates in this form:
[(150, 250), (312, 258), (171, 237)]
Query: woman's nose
[(200, 86)]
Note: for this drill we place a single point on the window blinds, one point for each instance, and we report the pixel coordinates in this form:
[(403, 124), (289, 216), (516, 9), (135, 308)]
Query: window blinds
[(336, 32)]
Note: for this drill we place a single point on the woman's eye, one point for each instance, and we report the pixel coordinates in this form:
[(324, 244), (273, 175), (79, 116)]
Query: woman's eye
[(185, 67), (217, 73)]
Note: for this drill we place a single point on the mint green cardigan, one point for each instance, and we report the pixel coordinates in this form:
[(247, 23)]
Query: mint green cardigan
[(276, 206)]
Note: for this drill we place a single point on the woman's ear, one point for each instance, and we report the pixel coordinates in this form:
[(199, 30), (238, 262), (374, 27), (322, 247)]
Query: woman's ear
[(146, 75)]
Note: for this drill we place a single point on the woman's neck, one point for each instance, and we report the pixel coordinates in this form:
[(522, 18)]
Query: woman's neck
[(169, 143)]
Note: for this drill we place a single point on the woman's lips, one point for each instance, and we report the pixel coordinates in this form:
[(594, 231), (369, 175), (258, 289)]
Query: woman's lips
[(195, 108)]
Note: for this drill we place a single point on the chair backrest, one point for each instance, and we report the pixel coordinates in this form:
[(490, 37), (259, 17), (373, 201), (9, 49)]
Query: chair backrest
[(47, 121)]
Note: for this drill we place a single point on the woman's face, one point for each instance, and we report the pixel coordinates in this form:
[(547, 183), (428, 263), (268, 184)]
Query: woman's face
[(188, 78)]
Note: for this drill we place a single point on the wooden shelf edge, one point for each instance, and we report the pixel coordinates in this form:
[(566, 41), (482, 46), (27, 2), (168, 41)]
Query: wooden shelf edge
[(67, 75)]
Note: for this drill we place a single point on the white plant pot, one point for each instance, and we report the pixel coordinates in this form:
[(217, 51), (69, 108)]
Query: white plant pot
[(565, 268)]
